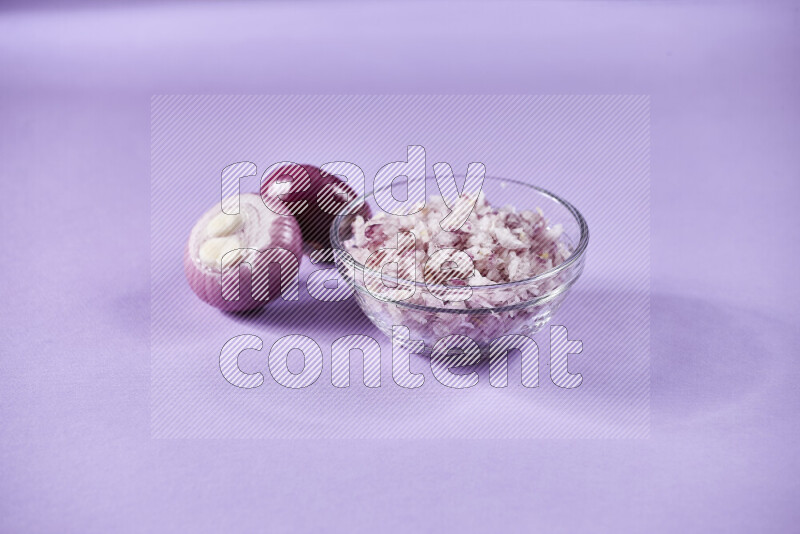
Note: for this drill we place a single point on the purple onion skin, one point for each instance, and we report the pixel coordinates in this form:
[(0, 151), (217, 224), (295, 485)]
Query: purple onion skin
[(315, 223), (206, 282)]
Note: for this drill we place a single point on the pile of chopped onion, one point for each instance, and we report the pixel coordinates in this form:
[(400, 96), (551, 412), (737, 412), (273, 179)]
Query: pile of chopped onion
[(505, 246)]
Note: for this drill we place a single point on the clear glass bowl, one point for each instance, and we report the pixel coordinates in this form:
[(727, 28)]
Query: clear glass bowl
[(545, 292)]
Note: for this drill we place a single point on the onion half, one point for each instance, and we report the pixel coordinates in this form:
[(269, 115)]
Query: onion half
[(254, 236)]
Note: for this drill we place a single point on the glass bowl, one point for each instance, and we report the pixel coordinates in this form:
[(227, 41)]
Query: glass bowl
[(543, 293)]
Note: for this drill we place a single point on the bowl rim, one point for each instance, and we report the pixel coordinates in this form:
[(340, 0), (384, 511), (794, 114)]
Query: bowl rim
[(577, 253)]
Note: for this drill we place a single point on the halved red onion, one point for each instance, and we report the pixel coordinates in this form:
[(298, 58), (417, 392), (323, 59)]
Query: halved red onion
[(313, 196), (255, 236)]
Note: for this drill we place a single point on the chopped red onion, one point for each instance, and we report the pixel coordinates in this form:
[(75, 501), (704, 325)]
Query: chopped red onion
[(504, 245)]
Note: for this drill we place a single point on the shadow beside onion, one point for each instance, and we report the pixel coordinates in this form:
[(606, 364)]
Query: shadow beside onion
[(645, 359)]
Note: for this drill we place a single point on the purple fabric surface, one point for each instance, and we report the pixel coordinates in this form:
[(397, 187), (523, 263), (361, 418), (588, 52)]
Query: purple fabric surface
[(76, 453), (549, 141)]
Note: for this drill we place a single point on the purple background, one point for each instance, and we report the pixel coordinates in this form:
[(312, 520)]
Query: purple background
[(76, 452), (592, 150)]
